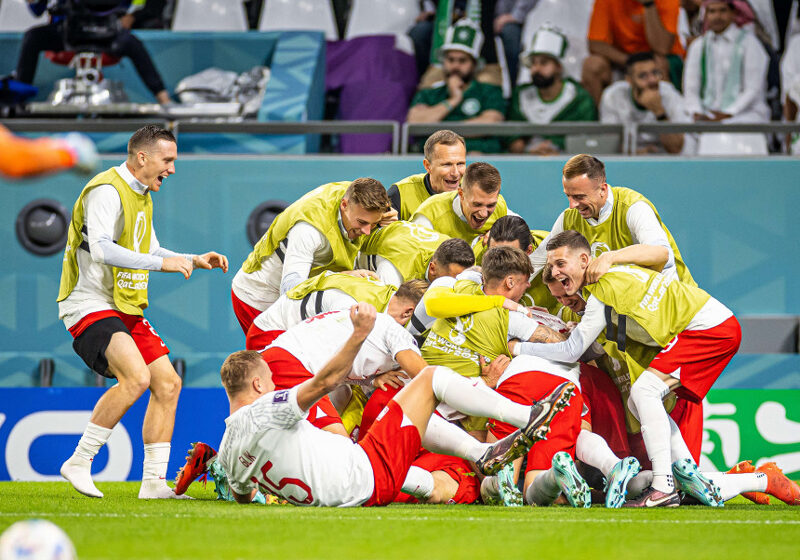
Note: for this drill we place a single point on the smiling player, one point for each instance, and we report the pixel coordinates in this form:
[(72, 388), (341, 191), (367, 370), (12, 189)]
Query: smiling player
[(110, 252)]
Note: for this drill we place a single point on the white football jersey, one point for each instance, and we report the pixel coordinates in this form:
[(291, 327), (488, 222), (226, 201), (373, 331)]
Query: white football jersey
[(525, 363), (269, 444), (287, 312), (314, 341)]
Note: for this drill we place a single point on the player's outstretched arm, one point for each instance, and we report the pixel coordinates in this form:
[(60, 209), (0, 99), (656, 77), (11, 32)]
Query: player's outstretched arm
[(654, 257), (309, 392)]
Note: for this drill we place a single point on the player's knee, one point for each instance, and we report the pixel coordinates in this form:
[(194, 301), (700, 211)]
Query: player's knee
[(136, 381), (167, 387)]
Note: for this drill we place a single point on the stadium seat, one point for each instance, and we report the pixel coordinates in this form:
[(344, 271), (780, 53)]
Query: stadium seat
[(383, 17), (729, 144), (299, 15), (572, 18), (15, 16), (209, 15)]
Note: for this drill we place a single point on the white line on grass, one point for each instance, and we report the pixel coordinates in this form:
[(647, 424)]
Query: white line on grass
[(384, 517)]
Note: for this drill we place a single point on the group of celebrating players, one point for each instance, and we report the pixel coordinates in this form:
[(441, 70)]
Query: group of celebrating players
[(420, 344)]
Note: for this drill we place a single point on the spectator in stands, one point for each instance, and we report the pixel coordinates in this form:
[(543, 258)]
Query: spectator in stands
[(508, 20), (790, 74), (619, 28), (726, 70), (644, 97), (461, 97), (550, 97), (50, 37)]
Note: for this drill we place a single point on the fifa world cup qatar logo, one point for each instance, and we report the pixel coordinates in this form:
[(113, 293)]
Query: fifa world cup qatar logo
[(598, 248), (139, 230)]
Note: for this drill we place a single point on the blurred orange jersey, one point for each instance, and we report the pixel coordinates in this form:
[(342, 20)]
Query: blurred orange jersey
[(23, 157)]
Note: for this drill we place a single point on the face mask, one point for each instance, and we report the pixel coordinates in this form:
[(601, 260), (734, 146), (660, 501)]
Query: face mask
[(541, 81)]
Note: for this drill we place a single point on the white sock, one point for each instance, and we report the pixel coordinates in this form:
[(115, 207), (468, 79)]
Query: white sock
[(638, 483), (593, 450), (647, 394), (443, 437), (731, 485), (156, 457), (490, 488), (94, 437), (677, 444), (543, 490), (471, 396), (418, 483)]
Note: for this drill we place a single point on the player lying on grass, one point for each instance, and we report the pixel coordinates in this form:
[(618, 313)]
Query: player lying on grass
[(269, 444)]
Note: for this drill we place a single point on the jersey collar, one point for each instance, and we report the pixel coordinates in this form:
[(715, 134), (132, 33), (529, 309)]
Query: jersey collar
[(135, 184)]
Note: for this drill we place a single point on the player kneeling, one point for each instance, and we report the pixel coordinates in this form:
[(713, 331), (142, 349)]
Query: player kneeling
[(268, 443)]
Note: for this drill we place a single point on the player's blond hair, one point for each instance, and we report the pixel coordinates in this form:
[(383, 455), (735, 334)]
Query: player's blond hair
[(368, 193), (584, 164), (237, 369), (444, 137), (412, 290), (499, 262), (547, 274)]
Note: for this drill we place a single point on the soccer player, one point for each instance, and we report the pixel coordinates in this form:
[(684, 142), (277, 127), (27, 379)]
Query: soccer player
[(622, 226), (697, 335), (24, 157), (331, 291), (389, 354), (513, 231), (323, 230), (470, 210), (404, 251), (110, 252), (269, 444), (445, 161)]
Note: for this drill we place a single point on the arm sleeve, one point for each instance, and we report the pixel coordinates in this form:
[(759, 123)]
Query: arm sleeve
[(102, 209), (157, 250), (397, 339), (580, 339), (647, 230), (421, 321), (522, 8), (754, 76), (388, 273), (394, 197), (691, 78), (302, 242), (539, 255), (443, 302), (520, 326), (668, 14)]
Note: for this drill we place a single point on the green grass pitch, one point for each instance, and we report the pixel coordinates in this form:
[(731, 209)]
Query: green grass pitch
[(121, 526)]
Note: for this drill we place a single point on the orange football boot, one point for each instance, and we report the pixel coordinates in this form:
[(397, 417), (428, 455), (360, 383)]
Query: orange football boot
[(779, 485), (747, 467)]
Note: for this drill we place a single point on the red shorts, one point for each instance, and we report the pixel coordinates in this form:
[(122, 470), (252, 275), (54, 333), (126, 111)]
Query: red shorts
[(147, 340), (375, 404), (606, 409), (246, 314), (469, 487), (391, 444), (258, 340), (526, 387), (288, 372), (699, 357)]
